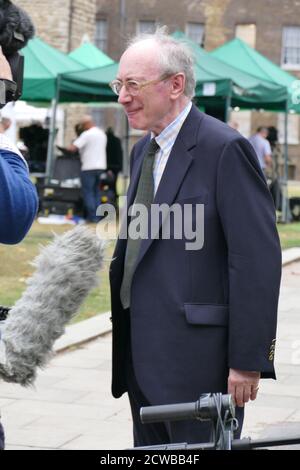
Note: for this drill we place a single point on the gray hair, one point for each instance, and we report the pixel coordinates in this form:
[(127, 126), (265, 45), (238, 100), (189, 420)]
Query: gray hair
[(174, 56)]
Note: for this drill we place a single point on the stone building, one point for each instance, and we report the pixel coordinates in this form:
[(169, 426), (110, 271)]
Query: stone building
[(62, 24)]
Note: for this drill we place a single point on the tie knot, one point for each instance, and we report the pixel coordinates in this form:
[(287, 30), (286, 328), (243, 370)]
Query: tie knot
[(153, 147)]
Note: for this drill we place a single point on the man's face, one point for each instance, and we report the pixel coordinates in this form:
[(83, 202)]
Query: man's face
[(149, 110), (264, 133)]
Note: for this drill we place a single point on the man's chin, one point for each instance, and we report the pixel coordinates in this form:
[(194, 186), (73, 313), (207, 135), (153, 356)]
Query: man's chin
[(134, 124)]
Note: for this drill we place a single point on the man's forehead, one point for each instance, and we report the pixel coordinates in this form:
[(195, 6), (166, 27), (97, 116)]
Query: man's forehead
[(136, 62)]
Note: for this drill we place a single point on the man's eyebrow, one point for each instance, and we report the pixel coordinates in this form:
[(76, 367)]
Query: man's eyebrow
[(130, 78)]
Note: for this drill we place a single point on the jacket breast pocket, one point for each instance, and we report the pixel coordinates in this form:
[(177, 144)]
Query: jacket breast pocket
[(184, 197), (206, 314)]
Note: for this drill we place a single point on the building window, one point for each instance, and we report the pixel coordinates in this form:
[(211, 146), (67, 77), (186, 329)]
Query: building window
[(195, 32), (101, 35), (247, 33), (145, 27), (291, 47)]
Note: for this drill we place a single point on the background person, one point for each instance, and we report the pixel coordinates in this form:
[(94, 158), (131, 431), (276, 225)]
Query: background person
[(91, 145), (262, 147), (18, 197), (114, 156)]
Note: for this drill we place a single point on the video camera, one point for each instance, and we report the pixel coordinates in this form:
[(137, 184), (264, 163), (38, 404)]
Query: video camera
[(16, 29)]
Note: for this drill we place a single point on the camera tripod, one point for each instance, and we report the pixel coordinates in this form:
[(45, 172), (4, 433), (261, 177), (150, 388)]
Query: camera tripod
[(215, 407)]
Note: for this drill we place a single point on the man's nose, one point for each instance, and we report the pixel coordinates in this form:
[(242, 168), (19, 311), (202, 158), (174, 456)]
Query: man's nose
[(124, 96)]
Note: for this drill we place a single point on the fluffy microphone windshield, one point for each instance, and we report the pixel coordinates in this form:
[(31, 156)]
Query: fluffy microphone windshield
[(66, 271), (16, 27)]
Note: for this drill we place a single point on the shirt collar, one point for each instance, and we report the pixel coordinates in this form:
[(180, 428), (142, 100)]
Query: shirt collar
[(168, 136)]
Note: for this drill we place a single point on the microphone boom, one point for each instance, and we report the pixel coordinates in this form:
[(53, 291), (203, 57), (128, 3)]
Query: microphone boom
[(66, 271)]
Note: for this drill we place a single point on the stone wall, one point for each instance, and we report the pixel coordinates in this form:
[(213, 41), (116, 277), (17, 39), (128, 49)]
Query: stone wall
[(62, 24)]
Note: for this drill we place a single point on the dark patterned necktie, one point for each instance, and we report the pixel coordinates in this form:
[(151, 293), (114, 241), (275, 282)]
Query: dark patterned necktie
[(144, 195)]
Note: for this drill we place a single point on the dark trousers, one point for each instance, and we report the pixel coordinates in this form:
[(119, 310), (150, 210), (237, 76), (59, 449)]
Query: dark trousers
[(90, 187), (2, 440), (190, 431)]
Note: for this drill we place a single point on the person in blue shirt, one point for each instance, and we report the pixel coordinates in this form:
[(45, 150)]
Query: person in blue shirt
[(18, 202), (18, 197)]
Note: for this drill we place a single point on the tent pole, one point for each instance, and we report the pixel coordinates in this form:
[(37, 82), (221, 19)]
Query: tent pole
[(228, 104), (126, 157), (285, 212), (52, 132)]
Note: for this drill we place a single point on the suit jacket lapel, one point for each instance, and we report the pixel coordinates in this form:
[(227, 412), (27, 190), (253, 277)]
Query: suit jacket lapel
[(177, 166), (179, 161), (120, 248)]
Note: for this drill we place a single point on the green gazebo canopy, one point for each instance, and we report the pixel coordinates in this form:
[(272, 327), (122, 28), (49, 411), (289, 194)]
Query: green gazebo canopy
[(43, 64), (246, 89), (90, 56), (216, 81), (88, 85), (237, 53)]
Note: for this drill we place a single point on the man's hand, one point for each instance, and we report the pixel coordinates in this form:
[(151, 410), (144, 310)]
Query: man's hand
[(268, 160), (72, 148), (5, 70), (243, 385)]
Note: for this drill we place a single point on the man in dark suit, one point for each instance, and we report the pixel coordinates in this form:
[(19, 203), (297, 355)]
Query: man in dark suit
[(188, 321)]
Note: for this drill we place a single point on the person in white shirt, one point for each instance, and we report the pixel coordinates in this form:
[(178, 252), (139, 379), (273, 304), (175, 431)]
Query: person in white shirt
[(91, 145)]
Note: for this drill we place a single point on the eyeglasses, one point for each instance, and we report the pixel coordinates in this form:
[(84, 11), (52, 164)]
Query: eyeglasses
[(133, 87)]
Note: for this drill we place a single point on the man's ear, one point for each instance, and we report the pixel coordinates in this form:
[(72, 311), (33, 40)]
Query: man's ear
[(178, 85)]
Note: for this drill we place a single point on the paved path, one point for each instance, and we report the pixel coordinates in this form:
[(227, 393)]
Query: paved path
[(71, 406)]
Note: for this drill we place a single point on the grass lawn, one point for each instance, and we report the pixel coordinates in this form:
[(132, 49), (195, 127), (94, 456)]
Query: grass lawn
[(294, 188), (289, 235), (15, 268)]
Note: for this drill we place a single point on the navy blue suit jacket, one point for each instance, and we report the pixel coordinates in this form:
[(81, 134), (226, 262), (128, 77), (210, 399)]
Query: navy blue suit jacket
[(18, 198), (195, 314)]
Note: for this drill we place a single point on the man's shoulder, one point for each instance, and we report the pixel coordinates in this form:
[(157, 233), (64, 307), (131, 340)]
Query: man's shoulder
[(219, 129), (256, 137), (10, 151), (92, 131), (89, 134), (95, 130), (199, 126), (208, 129)]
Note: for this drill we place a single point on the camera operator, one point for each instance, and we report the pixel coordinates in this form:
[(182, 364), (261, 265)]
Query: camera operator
[(18, 198)]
